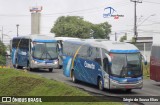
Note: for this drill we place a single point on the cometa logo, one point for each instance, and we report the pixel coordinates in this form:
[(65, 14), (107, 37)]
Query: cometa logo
[(90, 66)]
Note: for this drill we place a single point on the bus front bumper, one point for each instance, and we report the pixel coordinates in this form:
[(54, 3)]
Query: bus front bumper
[(116, 85), (43, 65)]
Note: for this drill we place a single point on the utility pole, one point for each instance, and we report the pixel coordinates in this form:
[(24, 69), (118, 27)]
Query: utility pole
[(115, 36), (135, 18), (17, 29), (2, 34)]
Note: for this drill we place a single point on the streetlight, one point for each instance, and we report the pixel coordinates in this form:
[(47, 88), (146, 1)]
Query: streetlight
[(17, 29)]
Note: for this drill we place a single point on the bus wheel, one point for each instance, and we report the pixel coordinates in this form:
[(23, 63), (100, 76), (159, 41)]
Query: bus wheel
[(60, 67), (50, 69), (29, 67), (100, 84), (16, 66), (128, 90), (73, 77)]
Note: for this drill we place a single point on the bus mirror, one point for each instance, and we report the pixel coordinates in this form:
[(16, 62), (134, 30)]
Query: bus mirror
[(144, 59), (33, 48), (145, 62), (109, 59)]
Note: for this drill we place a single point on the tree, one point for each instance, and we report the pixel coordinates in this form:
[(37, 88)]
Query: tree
[(2, 54), (123, 38), (101, 30), (75, 26), (71, 26)]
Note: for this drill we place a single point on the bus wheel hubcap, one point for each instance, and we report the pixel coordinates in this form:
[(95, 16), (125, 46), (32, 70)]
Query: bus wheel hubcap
[(100, 84), (73, 78)]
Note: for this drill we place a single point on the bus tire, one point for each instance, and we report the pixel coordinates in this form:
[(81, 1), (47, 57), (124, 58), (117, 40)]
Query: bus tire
[(29, 67), (17, 66), (60, 67), (128, 90), (100, 84), (50, 69), (73, 77)]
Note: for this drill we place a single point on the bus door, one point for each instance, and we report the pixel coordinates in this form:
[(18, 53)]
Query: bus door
[(86, 66), (22, 53), (67, 62), (106, 67), (67, 59), (14, 50)]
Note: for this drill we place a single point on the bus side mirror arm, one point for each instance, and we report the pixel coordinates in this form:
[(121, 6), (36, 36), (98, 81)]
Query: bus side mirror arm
[(144, 59), (109, 59)]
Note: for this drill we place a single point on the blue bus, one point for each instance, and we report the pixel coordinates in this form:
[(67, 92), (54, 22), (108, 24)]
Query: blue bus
[(107, 64), (35, 52)]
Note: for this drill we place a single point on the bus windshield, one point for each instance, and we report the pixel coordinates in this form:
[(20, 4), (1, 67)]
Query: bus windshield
[(45, 51), (126, 65)]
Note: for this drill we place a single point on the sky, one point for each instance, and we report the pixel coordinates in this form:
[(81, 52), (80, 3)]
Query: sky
[(14, 12)]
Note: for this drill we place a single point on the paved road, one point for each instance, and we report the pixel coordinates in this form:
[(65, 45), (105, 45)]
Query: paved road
[(150, 88)]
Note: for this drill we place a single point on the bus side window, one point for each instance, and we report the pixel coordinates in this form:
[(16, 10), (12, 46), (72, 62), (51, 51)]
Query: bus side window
[(24, 44), (65, 49), (83, 52), (98, 56), (94, 55), (105, 61)]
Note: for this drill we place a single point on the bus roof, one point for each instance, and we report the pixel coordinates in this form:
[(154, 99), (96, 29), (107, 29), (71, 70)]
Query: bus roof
[(37, 37), (111, 46), (65, 38)]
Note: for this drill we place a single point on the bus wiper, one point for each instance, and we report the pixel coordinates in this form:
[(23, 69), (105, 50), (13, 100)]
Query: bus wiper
[(123, 72), (42, 54), (49, 54)]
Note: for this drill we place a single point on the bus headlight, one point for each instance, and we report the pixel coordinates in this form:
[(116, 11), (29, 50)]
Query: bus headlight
[(140, 81), (55, 62), (33, 61), (114, 81)]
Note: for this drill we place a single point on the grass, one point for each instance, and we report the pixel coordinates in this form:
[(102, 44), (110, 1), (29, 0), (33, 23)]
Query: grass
[(21, 83)]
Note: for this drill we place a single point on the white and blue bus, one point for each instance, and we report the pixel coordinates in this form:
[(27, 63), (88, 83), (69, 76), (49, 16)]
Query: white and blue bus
[(107, 64), (35, 52)]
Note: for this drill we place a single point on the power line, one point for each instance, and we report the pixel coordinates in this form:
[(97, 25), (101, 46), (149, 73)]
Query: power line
[(151, 24), (152, 2), (13, 15), (145, 19)]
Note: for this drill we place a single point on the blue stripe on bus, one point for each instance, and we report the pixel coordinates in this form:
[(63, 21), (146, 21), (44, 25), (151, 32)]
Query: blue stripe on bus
[(123, 80), (43, 41), (124, 51)]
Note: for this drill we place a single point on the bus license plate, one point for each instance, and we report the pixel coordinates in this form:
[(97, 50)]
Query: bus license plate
[(128, 86)]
